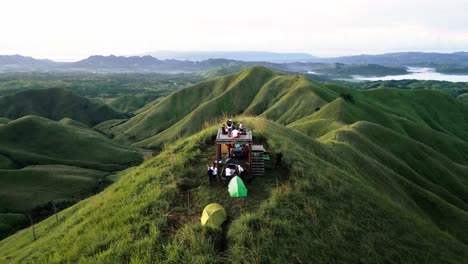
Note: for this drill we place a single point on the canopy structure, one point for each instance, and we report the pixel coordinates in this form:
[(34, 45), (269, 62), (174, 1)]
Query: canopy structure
[(236, 187), (213, 215), (225, 139)]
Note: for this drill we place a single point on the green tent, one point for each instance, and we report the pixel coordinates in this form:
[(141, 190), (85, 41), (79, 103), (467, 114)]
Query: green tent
[(213, 215), (236, 187)]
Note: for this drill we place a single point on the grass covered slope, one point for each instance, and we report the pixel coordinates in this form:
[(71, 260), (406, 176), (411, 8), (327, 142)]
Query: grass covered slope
[(30, 190), (346, 200), (55, 104), (35, 140), (131, 103), (187, 110), (289, 100), (23, 189), (254, 91)]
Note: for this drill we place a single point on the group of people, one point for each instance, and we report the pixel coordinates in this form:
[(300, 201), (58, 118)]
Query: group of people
[(230, 171), (230, 130), (233, 170)]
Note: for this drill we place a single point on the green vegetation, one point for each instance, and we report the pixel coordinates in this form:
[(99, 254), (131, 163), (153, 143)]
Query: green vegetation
[(368, 176), (185, 111), (55, 104), (26, 191), (4, 120), (131, 103), (347, 70), (221, 71), (338, 203), (463, 97), (451, 88), (452, 69), (99, 86), (70, 122), (34, 140)]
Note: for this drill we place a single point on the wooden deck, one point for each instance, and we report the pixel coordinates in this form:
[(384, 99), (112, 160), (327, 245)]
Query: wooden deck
[(242, 139)]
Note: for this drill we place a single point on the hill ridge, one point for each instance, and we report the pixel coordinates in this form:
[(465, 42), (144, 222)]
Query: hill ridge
[(56, 103)]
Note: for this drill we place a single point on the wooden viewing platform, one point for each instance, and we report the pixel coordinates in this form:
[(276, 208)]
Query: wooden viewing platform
[(221, 138), (225, 139)]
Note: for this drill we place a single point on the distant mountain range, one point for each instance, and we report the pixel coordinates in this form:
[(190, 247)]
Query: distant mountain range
[(170, 62), (405, 59), (389, 59), (233, 55)]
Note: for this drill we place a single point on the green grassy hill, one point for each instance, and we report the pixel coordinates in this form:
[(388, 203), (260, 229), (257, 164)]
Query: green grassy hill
[(368, 176), (287, 99), (50, 145), (463, 97), (70, 122), (28, 190), (196, 104), (34, 140), (347, 199), (55, 104), (131, 103)]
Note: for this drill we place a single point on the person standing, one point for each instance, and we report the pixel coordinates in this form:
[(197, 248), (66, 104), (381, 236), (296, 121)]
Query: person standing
[(215, 171), (230, 126), (210, 175)]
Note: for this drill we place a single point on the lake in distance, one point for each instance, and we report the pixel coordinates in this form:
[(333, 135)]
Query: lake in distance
[(418, 74)]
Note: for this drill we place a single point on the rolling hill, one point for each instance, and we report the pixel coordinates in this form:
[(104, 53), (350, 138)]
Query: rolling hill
[(368, 176), (284, 99), (349, 199), (35, 140), (55, 104), (43, 160)]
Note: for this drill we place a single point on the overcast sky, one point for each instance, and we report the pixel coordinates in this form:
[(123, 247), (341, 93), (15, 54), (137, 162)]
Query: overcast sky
[(69, 29)]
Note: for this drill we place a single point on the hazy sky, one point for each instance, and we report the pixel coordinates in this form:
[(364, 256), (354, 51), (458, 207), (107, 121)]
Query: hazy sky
[(61, 29)]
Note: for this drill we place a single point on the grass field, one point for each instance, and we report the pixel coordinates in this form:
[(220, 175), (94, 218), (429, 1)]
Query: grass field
[(24, 191), (339, 201), (378, 176)]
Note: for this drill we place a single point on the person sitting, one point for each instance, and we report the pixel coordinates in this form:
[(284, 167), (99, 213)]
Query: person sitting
[(240, 170), (224, 130), (229, 172), (235, 133), (242, 129)]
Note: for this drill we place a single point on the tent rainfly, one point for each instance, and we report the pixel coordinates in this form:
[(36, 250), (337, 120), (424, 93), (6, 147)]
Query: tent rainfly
[(213, 215), (236, 187)]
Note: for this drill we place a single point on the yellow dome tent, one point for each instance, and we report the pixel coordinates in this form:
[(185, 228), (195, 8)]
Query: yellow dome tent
[(213, 215)]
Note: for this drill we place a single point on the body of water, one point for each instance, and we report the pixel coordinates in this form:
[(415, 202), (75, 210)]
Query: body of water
[(418, 74)]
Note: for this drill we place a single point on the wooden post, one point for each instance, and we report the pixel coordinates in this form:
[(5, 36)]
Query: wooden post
[(55, 210), (218, 155), (33, 230), (250, 158)]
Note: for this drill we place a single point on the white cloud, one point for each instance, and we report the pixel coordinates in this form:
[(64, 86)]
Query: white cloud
[(74, 29)]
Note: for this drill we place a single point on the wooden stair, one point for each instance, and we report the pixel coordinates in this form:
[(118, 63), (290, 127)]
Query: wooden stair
[(258, 166)]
